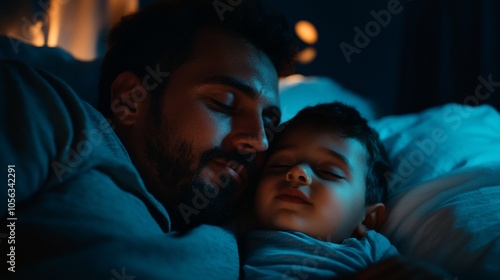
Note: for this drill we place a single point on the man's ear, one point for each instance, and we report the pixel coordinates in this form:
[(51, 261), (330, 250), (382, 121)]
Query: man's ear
[(374, 218), (127, 96)]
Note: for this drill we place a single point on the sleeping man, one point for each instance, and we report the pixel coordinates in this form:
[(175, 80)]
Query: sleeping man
[(189, 89), (319, 200)]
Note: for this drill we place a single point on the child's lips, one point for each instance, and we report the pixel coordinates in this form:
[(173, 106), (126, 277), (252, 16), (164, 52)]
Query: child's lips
[(293, 195)]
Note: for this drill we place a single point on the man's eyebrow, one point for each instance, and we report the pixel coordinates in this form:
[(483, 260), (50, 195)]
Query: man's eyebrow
[(239, 84), (338, 156)]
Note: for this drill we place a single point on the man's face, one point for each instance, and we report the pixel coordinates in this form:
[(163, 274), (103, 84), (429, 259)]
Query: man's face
[(212, 120), (313, 182)]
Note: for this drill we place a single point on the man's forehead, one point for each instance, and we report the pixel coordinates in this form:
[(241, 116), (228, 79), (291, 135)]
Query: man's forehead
[(217, 42), (219, 56)]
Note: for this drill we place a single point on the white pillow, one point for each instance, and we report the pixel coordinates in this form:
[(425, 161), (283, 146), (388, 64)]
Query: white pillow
[(444, 198), (297, 92)]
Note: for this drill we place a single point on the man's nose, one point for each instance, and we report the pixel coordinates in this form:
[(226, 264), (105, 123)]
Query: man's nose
[(251, 137), (299, 175), (252, 144)]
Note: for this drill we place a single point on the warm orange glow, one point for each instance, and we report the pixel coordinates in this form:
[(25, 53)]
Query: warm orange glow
[(306, 31), (292, 79), (28, 33), (76, 25), (54, 24), (119, 8), (306, 55), (36, 31), (73, 27)]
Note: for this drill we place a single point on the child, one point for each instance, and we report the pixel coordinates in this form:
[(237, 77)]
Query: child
[(320, 199)]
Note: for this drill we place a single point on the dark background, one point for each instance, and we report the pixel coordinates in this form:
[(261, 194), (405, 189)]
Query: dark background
[(431, 53)]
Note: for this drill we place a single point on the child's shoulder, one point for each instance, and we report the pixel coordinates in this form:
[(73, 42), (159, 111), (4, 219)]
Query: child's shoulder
[(376, 245)]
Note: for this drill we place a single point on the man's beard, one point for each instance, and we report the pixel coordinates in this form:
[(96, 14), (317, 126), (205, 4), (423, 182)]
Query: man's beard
[(188, 199)]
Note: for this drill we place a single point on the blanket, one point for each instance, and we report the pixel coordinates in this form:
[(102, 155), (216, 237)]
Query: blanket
[(294, 255)]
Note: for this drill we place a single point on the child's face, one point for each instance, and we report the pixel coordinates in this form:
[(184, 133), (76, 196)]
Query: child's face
[(314, 182)]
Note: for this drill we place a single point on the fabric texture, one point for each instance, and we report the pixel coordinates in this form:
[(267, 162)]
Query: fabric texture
[(81, 76), (82, 209), (294, 255), (444, 201), (299, 92)]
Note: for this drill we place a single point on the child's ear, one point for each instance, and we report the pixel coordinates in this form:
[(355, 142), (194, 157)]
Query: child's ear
[(374, 218), (127, 96)]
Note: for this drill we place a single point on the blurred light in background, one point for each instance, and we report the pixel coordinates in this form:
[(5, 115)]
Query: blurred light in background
[(306, 31), (36, 31), (306, 55), (79, 26), (21, 22), (291, 80)]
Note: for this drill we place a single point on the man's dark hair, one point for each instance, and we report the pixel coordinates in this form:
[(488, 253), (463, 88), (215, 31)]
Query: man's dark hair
[(345, 121), (162, 34)]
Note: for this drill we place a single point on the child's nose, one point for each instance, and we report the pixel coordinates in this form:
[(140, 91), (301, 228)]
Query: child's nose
[(298, 174)]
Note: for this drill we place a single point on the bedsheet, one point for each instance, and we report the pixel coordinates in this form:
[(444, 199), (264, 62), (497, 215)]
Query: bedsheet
[(444, 198)]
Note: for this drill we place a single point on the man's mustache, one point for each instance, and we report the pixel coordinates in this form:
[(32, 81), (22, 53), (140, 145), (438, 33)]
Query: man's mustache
[(233, 159)]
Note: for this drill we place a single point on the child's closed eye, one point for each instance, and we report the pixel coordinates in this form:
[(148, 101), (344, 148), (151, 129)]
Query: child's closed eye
[(330, 175)]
